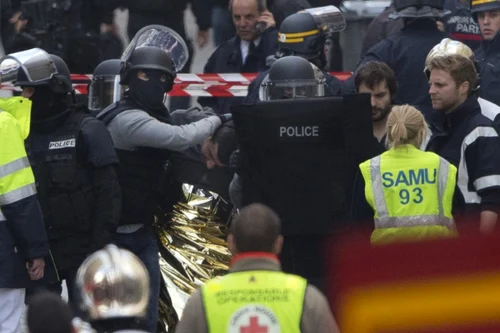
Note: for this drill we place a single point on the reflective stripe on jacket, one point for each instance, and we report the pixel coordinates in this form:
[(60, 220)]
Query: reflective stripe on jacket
[(409, 188), (22, 233), (16, 177), (246, 301)]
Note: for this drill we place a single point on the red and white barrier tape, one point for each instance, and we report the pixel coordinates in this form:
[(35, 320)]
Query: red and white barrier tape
[(191, 85)]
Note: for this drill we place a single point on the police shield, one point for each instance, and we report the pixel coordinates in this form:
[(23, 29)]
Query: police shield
[(328, 18), (163, 38), (35, 64), (303, 157)]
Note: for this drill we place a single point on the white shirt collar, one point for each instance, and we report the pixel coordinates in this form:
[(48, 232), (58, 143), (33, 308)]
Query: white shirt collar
[(244, 47)]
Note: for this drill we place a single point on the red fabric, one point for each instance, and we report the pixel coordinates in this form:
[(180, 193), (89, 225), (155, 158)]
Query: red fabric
[(254, 255), (459, 36)]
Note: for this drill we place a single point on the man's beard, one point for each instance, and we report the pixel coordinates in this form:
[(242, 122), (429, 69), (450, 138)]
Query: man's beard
[(381, 114)]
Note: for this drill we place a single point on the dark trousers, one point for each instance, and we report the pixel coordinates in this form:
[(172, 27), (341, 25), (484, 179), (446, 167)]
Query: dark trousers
[(304, 256), (73, 297), (144, 245)]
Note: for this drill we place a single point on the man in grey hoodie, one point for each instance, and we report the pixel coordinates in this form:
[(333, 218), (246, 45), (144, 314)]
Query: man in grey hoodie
[(144, 139)]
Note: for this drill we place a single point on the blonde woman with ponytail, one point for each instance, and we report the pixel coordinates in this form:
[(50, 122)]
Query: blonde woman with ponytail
[(409, 190)]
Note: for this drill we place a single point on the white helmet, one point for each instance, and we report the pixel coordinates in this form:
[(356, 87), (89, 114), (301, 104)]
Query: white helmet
[(113, 283), (448, 47)]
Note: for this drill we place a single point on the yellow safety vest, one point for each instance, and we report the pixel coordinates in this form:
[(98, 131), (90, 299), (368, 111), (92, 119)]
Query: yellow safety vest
[(254, 302), (411, 193), (16, 177)]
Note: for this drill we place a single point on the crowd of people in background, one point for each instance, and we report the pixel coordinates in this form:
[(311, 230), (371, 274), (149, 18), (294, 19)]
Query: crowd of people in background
[(427, 73)]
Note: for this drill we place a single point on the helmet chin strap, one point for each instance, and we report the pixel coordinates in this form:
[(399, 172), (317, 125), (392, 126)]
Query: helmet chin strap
[(73, 96)]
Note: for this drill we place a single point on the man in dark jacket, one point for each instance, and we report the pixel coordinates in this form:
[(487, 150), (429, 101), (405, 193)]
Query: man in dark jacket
[(460, 24), (221, 16), (466, 139), (144, 138), (255, 242), (23, 241), (247, 52), (405, 51), (74, 163), (310, 47), (378, 80), (487, 15), (380, 28)]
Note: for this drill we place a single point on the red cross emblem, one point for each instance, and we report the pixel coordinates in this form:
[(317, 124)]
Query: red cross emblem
[(254, 327)]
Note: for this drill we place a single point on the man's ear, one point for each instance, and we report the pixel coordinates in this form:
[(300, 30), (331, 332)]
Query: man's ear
[(278, 245), (464, 88), (231, 245)]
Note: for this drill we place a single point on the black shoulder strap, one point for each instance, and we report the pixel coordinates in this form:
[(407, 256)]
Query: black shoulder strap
[(109, 113), (73, 125), (76, 120)]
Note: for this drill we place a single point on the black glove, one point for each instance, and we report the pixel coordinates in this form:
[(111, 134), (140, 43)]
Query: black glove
[(237, 161), (225, 117)]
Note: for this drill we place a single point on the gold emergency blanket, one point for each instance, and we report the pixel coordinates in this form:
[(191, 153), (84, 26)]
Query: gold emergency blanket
[(193, 250)]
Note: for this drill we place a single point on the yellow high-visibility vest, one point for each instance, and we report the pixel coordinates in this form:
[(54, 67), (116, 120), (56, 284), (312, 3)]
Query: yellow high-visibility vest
[(16, 177), (411, 193), (254, 301)]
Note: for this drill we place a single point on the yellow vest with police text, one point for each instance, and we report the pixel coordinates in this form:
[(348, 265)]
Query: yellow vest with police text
[(254, 302), (411, 193)]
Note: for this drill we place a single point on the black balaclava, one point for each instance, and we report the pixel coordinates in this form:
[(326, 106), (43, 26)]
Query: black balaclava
[(47, 104), (149, 94)]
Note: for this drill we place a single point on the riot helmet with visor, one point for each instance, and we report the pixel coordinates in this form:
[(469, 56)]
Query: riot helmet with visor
[(105, 88), (304, 33), (293, 77)]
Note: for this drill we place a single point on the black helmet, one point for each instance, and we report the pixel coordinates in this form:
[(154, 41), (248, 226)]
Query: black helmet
[(148, 57), (299, 35), (59, 83), (477, 6), (304, 33), (108, 67), (305, 80), (418, 8), (105, 88)]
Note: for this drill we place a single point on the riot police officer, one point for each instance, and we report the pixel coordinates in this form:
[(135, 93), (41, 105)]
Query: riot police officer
[(281, 83), (113, 287), (143, 139), (303, 82), (406, 50), (295, 155), (105, 88), (302, 34), (486, 14), (188, 165), (73, 160)]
